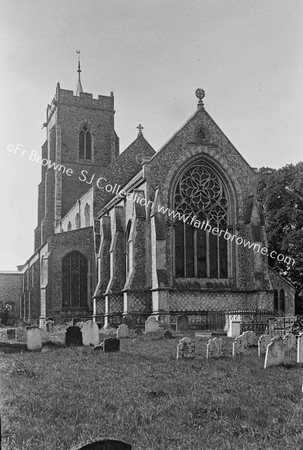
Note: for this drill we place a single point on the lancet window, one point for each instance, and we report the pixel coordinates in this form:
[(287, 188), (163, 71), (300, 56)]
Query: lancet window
[(85, 144)]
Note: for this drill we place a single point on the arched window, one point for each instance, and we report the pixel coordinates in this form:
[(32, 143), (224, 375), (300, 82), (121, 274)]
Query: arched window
[(69, 226), (74, 280), (282, 300), (276, 300), (87, 215), (199, 251), (77, 221), (85, 144)]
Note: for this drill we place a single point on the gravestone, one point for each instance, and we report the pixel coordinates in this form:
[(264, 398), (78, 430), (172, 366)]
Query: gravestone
[(167, 334), (182, 323), (151, 325), (263, 342), (111, 345), (186, 349), (129, 320), (234, 330), (73, 336), (90, 333), (275, 353), (33, 338), (105, 444), (138, 332), (214, 348), (122, 331), (300, 350), (240, 346), (251, 338), (289, 341)]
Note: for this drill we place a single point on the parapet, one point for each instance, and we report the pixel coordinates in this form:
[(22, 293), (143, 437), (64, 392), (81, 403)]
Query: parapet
[(85, 99)]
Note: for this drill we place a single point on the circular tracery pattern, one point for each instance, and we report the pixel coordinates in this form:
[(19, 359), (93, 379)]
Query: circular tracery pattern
[(199, 191)]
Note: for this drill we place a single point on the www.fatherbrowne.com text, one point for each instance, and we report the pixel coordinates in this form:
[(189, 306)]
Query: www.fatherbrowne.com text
[(115, 189)]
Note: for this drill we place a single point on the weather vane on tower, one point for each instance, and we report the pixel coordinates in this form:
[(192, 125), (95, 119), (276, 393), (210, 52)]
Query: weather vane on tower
[(79, 87)]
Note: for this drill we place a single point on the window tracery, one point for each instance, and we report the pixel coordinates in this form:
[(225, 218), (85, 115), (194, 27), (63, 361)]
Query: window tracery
[(201, 195)]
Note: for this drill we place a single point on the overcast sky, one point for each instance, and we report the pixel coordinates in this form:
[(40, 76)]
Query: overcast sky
[(153, 54)]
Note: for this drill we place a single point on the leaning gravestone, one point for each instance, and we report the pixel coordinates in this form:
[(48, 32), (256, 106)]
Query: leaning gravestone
[(214, 348), (90, 333), (105, 444), (186, 349), (263, 342), (290, 341), (151, 325), (122, 331), (33, 338), (240, 346), (73, 336), (275, 353), (111, 345), (300, 350), (182, 323)]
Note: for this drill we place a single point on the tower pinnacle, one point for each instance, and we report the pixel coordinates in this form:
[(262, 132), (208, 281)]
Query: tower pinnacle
[(79, 87)]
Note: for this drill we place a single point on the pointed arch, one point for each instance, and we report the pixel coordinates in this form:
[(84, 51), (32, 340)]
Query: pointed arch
[(74, 280), (85, 144), (201, 194)]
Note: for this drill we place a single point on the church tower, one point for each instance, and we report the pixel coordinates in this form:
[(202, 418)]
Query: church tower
[(80, 136)]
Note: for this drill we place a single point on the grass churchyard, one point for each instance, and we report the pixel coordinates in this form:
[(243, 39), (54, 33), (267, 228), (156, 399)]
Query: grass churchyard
[(62, 396)]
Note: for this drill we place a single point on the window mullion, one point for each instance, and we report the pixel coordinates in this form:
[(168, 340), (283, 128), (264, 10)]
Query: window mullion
[(184, 249), (196, 253)]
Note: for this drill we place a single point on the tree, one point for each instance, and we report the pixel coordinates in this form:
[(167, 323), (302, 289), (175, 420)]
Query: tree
[(281, 196)]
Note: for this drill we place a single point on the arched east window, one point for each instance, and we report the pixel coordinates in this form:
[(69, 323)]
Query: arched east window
[(87, 215), (74, 280), (85, 144), (200, 195), (282, 300), (276, 300)]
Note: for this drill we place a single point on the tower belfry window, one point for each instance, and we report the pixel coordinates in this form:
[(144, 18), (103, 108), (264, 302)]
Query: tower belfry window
[(85, 144)]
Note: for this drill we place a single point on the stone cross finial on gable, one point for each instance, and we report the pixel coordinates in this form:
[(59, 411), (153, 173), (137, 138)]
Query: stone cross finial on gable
[(140, 128), (200, 94)]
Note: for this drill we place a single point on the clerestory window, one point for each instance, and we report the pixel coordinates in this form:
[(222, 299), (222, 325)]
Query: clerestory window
[(85, 144), (200, 195)]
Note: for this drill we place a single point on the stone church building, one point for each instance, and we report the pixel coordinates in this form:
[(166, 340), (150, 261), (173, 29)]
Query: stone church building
[(141, 232)]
